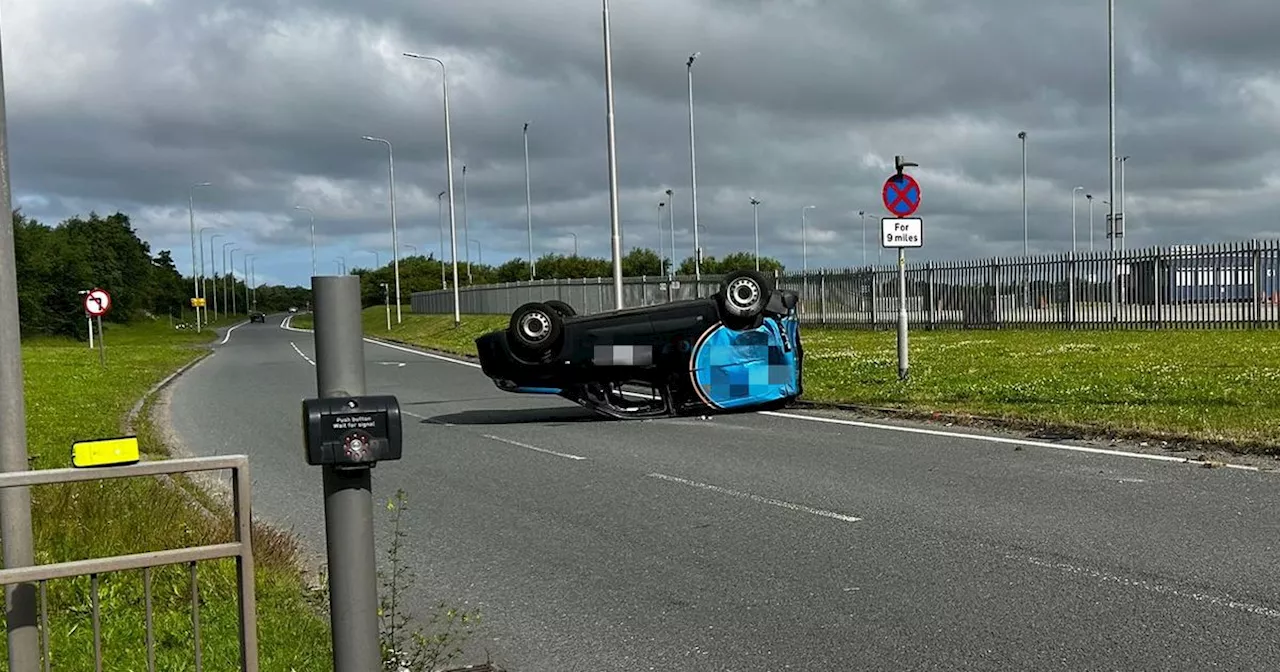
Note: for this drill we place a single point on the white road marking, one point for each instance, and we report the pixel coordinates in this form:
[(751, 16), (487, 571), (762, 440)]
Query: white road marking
[(227, 337), (998, 439), (758, 498), (1214, 600), (529, 447), (893, 428), (301, 354)]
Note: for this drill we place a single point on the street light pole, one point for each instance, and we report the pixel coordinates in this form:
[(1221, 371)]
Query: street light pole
[(614, 225), (1073, 217), (528, 200), (479, 253), (191, 216), (395, 242), (1022, 135), (448, 149), (661, 259), (755, 216), (213, 262), (671, 217), (575, 244), (693, 171), (1123, 229), (248, 307), (203, 277), (226, 271), (313, 236), (466, 230), (862, 214), (1089, 197), (444, 284)]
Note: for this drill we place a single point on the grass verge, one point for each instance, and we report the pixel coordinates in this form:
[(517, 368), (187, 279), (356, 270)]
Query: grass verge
[(1210, 388), (70, 396)]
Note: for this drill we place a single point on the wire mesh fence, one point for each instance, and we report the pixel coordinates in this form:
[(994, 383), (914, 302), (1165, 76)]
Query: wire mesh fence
[(1217, 286)]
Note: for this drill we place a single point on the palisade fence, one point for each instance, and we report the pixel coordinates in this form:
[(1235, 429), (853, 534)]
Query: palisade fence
[(1219, 286)]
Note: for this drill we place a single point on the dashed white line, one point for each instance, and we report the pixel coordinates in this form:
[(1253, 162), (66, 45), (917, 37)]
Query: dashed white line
[(757, 498), (890, 428), (1214, 600), (529, 447), (302, 354), (227, 337)]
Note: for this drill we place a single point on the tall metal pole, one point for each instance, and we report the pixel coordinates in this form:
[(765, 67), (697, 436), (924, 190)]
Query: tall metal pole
[(448, 149), (804, 244), (1022, 135), (253, 278), (231, 257), (203, 280), (614, 225), (671, 216), (903, 366), (661, 259), (313, 236), (444, 283), (348, 493), (1123, 229), (213, 262), (226, 270), (191, 218), (693, 172), (755, 216), (466, 233), (395, 241), (15, 503), (248, 307), (528, 199), (862, 214), (1111, 137), (575, 244), (1073, 217), (1089, 197)]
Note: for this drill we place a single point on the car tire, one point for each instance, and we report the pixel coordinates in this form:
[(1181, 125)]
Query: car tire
[(561, 307), (744, 295), (534, 329)]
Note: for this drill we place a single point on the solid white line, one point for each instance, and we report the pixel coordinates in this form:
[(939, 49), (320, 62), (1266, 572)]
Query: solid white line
[(540, 450), (1216, 601), (227, 337), (300, 354), (758, 498), (998, 439), (894, 428)]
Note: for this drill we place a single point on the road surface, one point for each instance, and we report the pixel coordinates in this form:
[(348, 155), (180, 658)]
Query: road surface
[(782, 541)]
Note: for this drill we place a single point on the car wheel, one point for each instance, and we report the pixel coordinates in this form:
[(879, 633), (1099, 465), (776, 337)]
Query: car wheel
[(744, 294), (534, 328), (561, 307)]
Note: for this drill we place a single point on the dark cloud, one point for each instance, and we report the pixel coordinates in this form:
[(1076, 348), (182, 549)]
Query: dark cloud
[(123, 105)]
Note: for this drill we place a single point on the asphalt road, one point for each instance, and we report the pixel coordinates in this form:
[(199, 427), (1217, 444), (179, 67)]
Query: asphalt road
[(768, 541)]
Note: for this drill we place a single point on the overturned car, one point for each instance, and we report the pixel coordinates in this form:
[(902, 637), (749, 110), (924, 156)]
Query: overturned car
[(738, 350)]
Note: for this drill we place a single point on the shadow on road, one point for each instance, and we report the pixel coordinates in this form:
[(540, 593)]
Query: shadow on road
[(519, 416)]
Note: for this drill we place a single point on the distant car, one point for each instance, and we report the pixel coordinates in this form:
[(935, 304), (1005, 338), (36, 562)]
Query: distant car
[(293, 310), (737, 350), (258, 317)]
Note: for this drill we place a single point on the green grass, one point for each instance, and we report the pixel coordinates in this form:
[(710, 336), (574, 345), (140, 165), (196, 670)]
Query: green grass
[(70, 396), (1218, 388)]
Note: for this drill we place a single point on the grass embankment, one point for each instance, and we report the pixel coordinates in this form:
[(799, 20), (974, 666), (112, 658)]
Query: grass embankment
[(1218, 388), (71, 397)]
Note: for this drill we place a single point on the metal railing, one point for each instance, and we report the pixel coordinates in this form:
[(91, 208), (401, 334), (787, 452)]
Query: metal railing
[(1229, 285), (241, 549)]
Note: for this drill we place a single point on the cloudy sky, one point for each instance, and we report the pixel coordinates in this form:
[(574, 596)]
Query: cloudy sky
[(124, 104)]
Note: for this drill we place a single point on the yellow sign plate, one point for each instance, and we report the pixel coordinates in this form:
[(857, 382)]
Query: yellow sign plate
[(197, 302), (105, 452)]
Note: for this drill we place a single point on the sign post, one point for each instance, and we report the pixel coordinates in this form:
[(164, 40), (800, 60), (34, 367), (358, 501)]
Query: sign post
[(386, 299), (97, 302), (901, 196)]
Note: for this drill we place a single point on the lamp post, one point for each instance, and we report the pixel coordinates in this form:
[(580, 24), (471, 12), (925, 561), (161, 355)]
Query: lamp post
[(226, 270), (862, 214), (448, 149), (466, 230), (395, 243), (203, 277), (1089, 197), (342, 265), (1022, 135), (479, 252), (755, 216), (615, 225), (804, 244), (412, 247), (213, 262), (528, 200), (191, 216), (661, 259), (377, 259), (231, 258), (671, 217), (313, 236), (693, 172), (444, 284), (247, 281), (1073, 217), (575, 244)]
